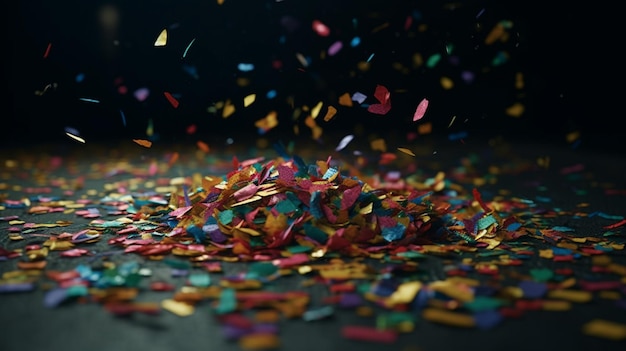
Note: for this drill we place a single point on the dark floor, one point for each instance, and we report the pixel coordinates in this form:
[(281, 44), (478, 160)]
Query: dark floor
[(570, 200)]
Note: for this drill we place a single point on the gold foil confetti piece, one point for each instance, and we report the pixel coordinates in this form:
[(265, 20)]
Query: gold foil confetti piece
[(556, 305)]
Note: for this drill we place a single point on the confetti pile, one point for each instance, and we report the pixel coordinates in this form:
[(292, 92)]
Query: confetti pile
[(234, 236)]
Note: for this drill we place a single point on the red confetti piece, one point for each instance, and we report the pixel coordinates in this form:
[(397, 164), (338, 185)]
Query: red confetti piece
[(47, 52), (364, 333), (171, 99)]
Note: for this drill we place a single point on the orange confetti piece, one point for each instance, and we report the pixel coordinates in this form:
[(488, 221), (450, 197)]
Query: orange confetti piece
[(345, 100), (172, 100), (143, 142), (330, 113), (204, 147), (406, 151)]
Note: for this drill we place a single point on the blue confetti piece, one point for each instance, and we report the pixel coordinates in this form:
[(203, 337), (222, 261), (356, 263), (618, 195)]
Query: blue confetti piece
[(457, 136), (315, 205), (532, 289), (393, 233), (80, 77), (370, 58), (245, 67), (355, 42), (514, 226), (271, 94), (123, 118), (89, 100), (54, 297), (486, 320), (198, 234)]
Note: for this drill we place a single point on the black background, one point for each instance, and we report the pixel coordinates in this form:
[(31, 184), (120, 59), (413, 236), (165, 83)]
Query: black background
[(562, 51)]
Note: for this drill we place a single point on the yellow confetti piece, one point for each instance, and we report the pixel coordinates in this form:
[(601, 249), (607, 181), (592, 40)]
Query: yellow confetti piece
[(378, 145), (75, 137), (406, 151), (580, 296), (572, 137), (249, 100), (605, 329), (556, 305), (161, 39), (404, 294), (143, 142), (315, 111), (446, 83), (515, 110), (448, 317), (228, 109), (180, 309), (270, 121)]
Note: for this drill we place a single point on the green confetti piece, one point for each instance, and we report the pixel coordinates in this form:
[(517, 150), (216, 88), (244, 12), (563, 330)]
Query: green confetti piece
[(483, 303), (262, 269), (285, 206), (541, 274), (201, 279), (227, 302), (226, 217)]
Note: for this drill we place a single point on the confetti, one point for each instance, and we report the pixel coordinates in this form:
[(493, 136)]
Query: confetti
[(143, 142), (161, 39), (420, 110)]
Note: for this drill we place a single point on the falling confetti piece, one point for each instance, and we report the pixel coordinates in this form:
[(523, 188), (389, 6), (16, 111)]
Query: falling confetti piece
[(320, 28), (188, 46), (75, 137), (406, 151), (344, 142), (143, 142), (172, 100), (420, 110), (47, 52), (330, 113), (249, 100), (161, 39)]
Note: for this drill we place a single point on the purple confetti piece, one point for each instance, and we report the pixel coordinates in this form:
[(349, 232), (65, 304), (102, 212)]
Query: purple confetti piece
[(55, 297), (487, 319), (16, 287)]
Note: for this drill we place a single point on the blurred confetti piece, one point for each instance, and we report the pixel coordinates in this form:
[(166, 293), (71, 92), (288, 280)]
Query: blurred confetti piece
[(47, 52), (364, 333), (335, 48), (249, 100), (143, 142), (320, 28), (448, 317), (161, 39), (141, 94), (180, 309), (259, 341), (75, 137), (204, 147), (344, 142), (172, 100), (330, 113), (420, 110), (406, 151), (605, 329), (228, 109), (515, 110)]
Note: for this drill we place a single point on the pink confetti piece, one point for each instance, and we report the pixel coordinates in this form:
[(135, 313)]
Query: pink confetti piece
[(420, 110), (320, 28)]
